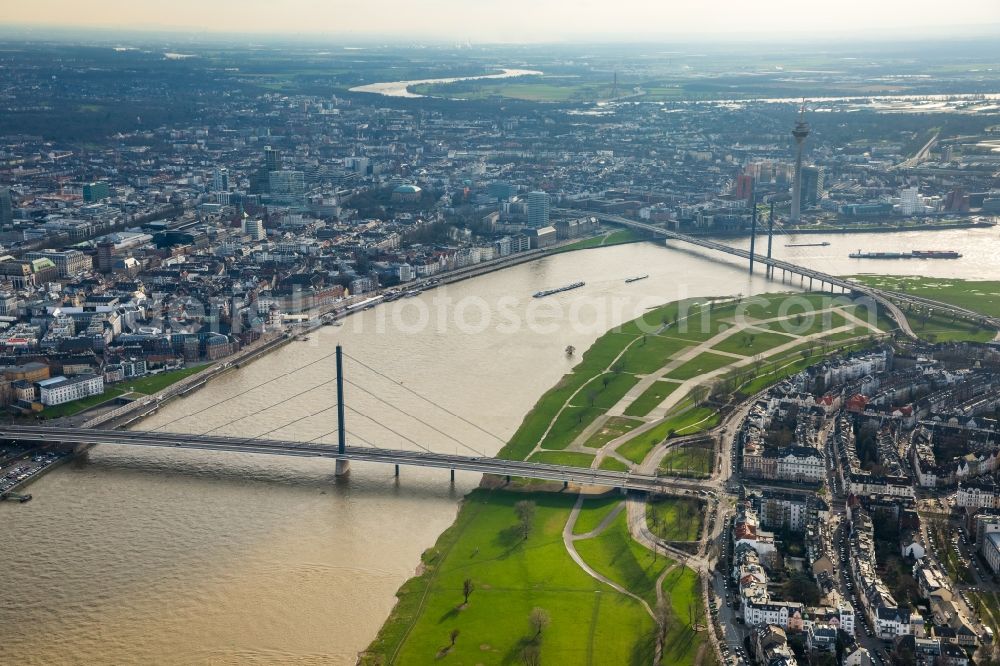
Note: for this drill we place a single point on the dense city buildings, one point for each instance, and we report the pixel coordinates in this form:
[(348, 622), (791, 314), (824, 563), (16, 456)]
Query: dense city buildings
[(232, 202)]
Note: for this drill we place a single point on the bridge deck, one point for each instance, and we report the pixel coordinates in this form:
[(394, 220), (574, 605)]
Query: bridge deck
[(485, 465)]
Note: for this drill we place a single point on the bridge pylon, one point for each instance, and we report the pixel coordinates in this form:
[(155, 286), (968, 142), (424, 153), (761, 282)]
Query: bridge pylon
[(770, 239), (343, 464)]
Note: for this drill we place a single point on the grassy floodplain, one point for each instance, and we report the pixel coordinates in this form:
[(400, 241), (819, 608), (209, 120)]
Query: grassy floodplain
[(591, 622), (618, 237), (977, 295), (511, 576)]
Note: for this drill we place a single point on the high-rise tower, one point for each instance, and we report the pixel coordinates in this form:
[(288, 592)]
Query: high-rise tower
[(800, 133), (538, 209), (220, 181), (6, 208), (272, 159)]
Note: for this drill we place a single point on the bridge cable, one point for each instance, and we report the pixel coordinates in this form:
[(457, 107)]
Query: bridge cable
[(362, 440), (348, 432), (242, 393), (382, 425), (293, 421), (428, 400), (416, 418), (280, 402)]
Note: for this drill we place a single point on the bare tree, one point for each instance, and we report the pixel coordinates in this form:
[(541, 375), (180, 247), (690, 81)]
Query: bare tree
[(454, 637), (664, 613), (467, 588), (539, 620), (525, 510)]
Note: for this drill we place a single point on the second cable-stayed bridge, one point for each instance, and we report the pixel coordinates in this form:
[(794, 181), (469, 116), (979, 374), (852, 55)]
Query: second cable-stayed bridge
[(890, 300)]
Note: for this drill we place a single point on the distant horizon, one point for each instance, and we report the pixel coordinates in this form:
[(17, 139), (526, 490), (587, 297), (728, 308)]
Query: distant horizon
[(828, 40), (516, 22)]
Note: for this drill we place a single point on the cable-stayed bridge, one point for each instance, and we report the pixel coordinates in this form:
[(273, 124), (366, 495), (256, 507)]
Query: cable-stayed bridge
[(424, 454), (482, 464), (890, 300)]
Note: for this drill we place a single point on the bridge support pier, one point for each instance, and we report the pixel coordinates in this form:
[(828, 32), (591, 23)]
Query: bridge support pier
[(810, 284), (397, 471), (343, 468), (453, 476)]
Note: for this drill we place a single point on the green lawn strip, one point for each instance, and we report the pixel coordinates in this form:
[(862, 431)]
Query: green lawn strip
[(637, 448), (810, 323), (593, 511), (77, 406), (594, 362), (690, 461), (613, 428), (701, 364), (614, 554), (571, 458), (154, 383), (623, 236), (603, 352), (613, 465), (683, 642), (605, 390), (651, 398), (693, 421), (675, 518), (701, 322), (856, 332), (770, 306), (751, 342), (618, 237), (538, 419), (655, 319), (568, 426), (584, 244), (511, 576), (650, 353), (413, 593), (880, 320), (145, 385)]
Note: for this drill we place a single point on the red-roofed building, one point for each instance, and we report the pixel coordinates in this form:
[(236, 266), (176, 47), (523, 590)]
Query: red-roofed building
[(856, 403)]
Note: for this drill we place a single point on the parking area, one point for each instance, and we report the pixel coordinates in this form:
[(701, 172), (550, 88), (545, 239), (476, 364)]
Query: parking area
[(18, 464)]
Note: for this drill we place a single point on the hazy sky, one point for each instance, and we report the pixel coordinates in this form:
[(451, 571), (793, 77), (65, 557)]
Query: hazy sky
[(517, 20)]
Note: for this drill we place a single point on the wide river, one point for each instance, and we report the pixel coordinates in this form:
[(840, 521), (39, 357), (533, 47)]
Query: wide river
[(179, 557), (402, 88)]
